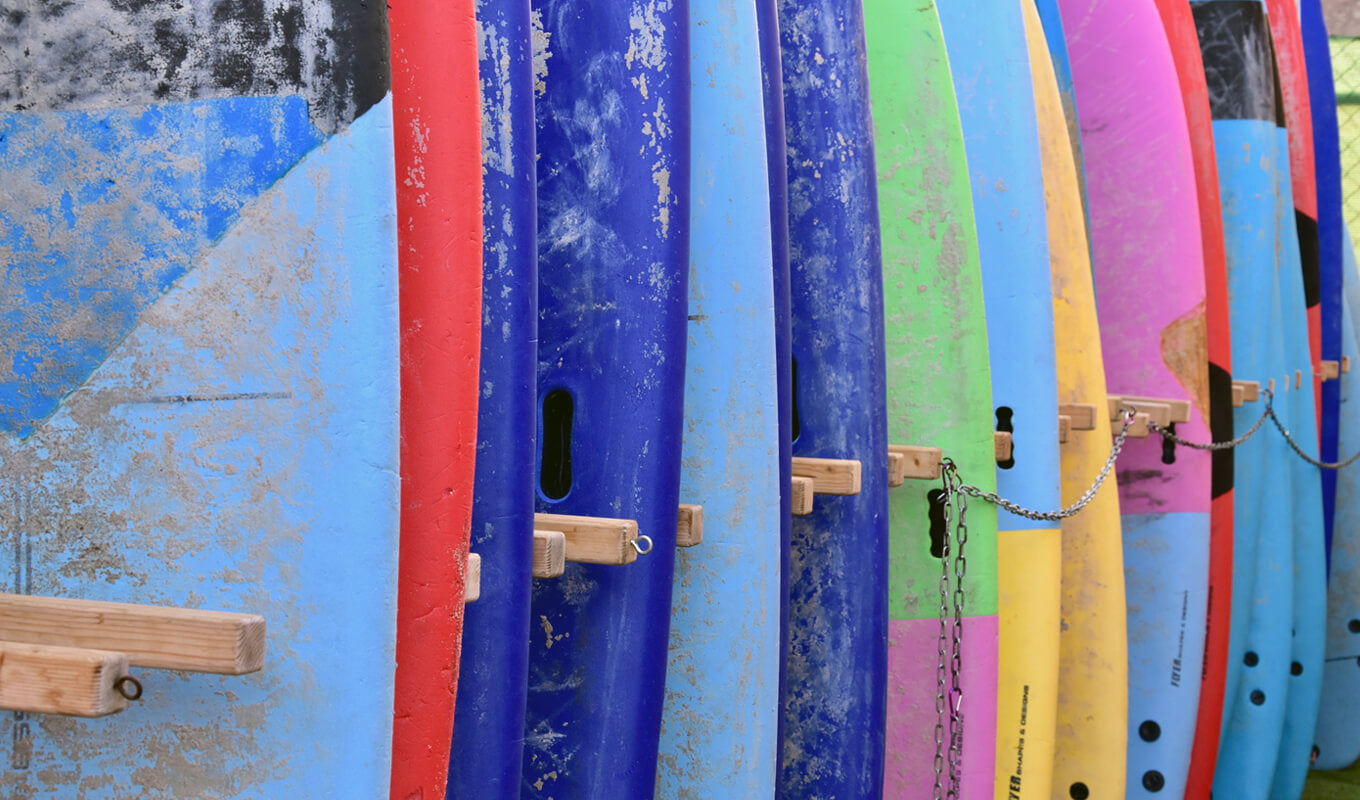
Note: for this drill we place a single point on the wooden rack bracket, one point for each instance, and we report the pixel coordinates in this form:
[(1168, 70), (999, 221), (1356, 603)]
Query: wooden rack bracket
[(1162, 412), (801, 493), (838, 476), (1345, 364), (472, 579), (156, 637), (923, 463), (1331, 370), (1271, 385), (1138, 429), (1064, 428), (689, 529), (594, 540), (1083, 415), (1298, 379), (1251, 390), (897, 469), (1003, 445), (45, 679), (550, 554), (1239, 395)]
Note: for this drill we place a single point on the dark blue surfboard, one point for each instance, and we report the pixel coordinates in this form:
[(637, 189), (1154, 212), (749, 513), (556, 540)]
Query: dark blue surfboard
[(488, 731), (837, 661), (612, 107), (1235, 43), (772, 88), (1330, 233), (200, 399)]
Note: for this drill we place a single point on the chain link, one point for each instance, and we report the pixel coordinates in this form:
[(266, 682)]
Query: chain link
[(1228, 445), (942, 665)]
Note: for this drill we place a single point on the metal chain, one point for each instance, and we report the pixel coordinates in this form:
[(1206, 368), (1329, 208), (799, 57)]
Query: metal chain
[(956, 667), (942, 665), (1305, 456), (1228, 445)]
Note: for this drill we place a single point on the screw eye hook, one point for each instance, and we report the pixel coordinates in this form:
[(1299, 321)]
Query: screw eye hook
[(129, 687), (637, 545)]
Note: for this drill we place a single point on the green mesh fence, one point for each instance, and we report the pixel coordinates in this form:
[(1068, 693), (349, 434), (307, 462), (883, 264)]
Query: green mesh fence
[(1346, 67)]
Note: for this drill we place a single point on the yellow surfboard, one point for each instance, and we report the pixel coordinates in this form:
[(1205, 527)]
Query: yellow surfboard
[(1088, 758)]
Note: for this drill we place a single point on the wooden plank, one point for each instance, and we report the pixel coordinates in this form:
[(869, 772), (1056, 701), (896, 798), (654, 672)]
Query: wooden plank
[(1331, 370), (689, 528), (1239, 395), (1298, 379), (801, 493), (837, 476), (1345, 364), (1064, 428), (1160, 413), (1138, 429), (472, 579), (923, 463), (594, 540), (1177, 410), (550, 554), (1083, 415), (1251, 390), (1272, 386), (157, 637), (897, 468), (1003, 445), (44, 679)]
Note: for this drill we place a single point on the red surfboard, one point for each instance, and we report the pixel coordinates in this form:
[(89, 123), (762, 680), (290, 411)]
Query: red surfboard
[(437, 117), (1180, 32)]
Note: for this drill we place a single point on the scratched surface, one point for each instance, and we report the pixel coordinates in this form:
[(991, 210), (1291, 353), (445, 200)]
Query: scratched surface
[(718, 729), (1338, 738), (939, 389), (990, 65), (837, 661), (488, 731), (1150, 294), (1051, 18), (236, 450), (1089, 747), (612, 109)]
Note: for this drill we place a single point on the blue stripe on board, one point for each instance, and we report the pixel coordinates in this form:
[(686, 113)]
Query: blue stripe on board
[(834, 712), (989, 60), (236, 450), (1309, 559), (488, 733), (104, 210), (1248, 162)]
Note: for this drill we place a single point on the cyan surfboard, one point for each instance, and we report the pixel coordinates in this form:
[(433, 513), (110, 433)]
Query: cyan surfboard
[(200, 399), (1234, 41), (1337, 737), (989, 61), (612, 104), (836, 673), (488, 730), (722, 684)]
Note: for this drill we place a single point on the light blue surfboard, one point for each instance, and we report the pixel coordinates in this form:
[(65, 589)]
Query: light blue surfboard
[(718, 730), (1337, 736), (1309, 606)]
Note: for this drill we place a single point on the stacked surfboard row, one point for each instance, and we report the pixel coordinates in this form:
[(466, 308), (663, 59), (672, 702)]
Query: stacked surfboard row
[(582, 391)]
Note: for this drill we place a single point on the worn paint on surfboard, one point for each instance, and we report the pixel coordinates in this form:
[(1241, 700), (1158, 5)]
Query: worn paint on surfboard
[(939, 391), (488, 731), (1089, 751), (1149, 275), (1179, 24), (837, 661), (1235, 45), (612, 106), (201, 406), (990, 65), (722, 683)]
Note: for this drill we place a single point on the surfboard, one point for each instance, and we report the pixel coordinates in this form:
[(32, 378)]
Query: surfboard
[(1309, 608), (718, 730), (1150, 292), (439, 218), (1235, 45), (989, 62), (1091, 737), (837, 664), (1051, 18), (1179, 24), (488, 730), (772, 90), (612, 105), (1337, 737), (201, 398), (1331, 227), (939, 396)]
